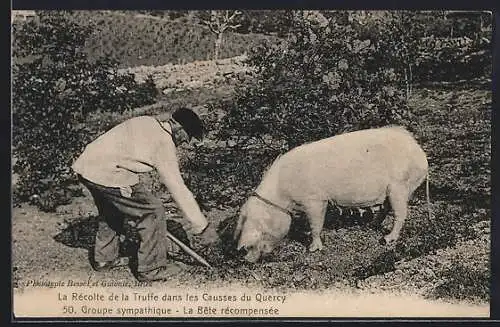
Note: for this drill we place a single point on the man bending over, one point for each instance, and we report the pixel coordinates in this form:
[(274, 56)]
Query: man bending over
[(109, 168)]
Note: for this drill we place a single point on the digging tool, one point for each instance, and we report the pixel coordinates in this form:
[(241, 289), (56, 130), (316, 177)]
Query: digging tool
[(188, 250), (184, 247)]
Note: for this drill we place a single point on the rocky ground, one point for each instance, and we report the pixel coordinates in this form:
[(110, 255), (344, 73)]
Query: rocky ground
[(199, 74)]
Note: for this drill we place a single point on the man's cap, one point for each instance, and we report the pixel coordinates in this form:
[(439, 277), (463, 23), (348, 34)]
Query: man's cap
[(190, 122)]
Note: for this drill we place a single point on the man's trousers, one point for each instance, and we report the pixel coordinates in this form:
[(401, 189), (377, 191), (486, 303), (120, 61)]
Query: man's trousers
[(139, 206)]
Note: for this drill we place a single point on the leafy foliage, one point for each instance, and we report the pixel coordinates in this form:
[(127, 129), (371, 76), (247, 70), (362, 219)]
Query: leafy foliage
[(324, 81), (431, 46), (235, 174), (451, 59), (270, 22), (355, 72), (54, 88)]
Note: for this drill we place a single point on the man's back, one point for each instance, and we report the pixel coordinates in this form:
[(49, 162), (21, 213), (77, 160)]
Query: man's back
[(115, 158)]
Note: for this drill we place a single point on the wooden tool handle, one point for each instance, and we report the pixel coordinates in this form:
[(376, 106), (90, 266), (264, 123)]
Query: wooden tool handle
[(188, 250)]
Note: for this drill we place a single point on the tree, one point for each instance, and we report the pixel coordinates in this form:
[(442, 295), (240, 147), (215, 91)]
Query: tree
[(55, 86), (218, 23)]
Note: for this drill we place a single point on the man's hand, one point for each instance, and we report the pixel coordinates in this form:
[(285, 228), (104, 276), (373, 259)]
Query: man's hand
[(207, 236)]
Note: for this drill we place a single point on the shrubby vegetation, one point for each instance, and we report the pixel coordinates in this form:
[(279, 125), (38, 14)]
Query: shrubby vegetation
[(325, 80), (55, 87), (439, 45), (354, 72), (442, 46)]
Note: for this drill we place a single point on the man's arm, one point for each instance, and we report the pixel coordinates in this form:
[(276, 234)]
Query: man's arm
[(168, 169)]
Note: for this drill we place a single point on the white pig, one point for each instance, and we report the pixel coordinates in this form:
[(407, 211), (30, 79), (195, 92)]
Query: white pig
[(356, 169)]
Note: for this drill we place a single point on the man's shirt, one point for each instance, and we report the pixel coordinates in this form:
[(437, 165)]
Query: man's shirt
[(135, 146)]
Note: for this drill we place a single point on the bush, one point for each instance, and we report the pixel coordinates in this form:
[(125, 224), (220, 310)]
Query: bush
[(355, 72), (430, 47), (54, 88), (326, 80)]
